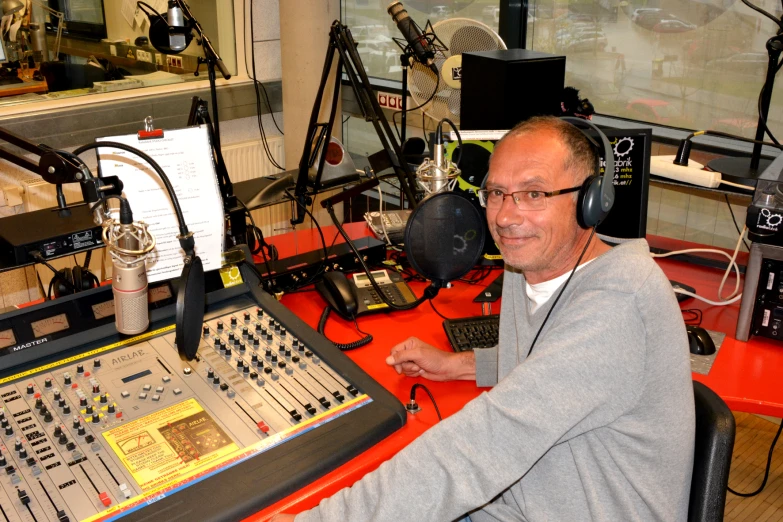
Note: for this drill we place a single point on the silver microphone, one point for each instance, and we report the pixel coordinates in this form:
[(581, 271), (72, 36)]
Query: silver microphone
[(177, 28), (435, 174), (129, 246)]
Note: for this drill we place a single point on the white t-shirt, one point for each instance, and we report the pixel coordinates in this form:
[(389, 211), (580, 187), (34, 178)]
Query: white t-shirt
[(540, 293)]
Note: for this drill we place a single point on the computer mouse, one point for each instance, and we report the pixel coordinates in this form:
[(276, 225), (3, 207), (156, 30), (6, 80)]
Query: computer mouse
[(699, 340)]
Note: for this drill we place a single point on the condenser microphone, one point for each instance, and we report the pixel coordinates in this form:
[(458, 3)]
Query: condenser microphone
[(129, 243), (177, 27), (422, 50)]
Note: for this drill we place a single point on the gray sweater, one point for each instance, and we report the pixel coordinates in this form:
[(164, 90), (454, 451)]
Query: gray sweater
[(597, 424)]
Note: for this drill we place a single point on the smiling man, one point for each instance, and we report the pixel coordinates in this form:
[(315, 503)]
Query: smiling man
[(590, 415)]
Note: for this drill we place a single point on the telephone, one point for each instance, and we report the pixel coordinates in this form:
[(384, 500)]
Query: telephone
[(351, 297)]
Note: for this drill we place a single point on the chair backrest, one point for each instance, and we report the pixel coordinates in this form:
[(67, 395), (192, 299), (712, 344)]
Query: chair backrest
[(712, 459)]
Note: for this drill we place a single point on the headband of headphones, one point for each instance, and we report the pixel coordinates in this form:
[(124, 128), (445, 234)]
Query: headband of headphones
[(607, 187)]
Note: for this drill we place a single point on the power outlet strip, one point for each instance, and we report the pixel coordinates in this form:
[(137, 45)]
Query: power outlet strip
[(143, 56), (174, 61)]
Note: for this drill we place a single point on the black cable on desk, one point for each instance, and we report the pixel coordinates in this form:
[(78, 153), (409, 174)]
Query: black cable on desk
[(367, 339), (413, 407)]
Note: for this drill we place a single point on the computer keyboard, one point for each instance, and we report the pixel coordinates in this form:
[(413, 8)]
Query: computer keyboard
[(472, 332)]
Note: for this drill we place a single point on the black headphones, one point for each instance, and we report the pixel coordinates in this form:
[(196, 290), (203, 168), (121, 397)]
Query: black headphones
[(71, 280), (596, 196), (257, 244)]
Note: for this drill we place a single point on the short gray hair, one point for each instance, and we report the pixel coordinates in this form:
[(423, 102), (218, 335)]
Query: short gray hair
[(581, 160)]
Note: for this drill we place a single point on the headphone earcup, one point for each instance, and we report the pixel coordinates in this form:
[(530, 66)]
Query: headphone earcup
[(62, 280), (78, 278), (589, 212)]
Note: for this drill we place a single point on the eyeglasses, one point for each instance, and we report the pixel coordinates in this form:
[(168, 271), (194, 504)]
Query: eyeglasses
[(524, 199)]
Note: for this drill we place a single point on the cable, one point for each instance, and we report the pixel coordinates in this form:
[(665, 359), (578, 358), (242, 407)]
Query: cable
[(766, 470), (737, 185), (456, 131), (765, 13), (380, 212), (434, 92), (367, 339), (413, 407), (437, 312), (256, 83), (584, 250), (734, 296), (696, 316), (734, 219)]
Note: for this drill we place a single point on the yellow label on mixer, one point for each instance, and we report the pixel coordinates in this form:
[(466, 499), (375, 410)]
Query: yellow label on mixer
[(171, 442)]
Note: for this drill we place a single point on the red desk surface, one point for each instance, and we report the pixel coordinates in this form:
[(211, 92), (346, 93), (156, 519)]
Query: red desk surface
[(746, 375)]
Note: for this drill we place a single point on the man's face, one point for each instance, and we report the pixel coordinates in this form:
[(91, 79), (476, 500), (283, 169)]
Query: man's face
[(538, 242)]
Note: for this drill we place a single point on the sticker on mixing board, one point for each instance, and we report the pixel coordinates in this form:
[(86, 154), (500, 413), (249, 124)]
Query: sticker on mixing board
[(166, 444)]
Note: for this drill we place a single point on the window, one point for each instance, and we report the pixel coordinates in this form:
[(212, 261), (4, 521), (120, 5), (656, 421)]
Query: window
[(373, 28), (98, 46), (696, 64)]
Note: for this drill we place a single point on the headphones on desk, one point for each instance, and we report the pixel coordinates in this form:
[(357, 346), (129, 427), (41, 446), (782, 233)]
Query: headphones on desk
[(72, 280), (596, 196)]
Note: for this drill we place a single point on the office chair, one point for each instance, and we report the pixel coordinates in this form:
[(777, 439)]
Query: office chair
[(712, 458)]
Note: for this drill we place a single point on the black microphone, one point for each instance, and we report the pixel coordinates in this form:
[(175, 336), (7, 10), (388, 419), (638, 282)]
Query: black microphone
[(420, 46), (177, 27)]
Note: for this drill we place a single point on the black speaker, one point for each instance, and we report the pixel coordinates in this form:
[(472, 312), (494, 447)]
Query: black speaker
[(503, 88)]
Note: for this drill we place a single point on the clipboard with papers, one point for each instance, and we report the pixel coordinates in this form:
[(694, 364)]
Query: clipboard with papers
[(185, 155)]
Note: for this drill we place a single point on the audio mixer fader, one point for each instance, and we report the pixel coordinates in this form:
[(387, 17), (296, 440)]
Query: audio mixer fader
[(129, 430)]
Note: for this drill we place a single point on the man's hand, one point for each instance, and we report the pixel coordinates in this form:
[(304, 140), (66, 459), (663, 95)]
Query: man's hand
[(415, 358), (282, 517)]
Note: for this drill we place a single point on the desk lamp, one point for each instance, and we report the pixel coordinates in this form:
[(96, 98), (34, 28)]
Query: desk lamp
[(14, 6)]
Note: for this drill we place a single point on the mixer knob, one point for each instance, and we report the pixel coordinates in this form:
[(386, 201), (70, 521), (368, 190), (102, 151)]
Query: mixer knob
[(9, 430), (274, 357), (271, 322), (244, 331), (220, 325), (231, 337), (255, 341), (246, 369), (247, 316), (67, 378), (48, 382), (259, 312), (240, 363), (79, 368), (269, 352), (18, 444), (81, 431), (217, 341), (89, 409), (48, 416), (96, 417), (30, 389), (3, 462), (96, 363), (4, 423), (258, 327), (83, 401), (62, 439), (2, 414), (76, 421), (269, 337), (281, 347), (111, 408), (22, 453), (254, 359), (56, 395), (205, 329), (241, 347), (288, 352), (282, 332), (58, 430), (233, 321), (228, 352), (66, 409), (210, 373), (38, 403), (96, 388), (104, 399), (216, 379)]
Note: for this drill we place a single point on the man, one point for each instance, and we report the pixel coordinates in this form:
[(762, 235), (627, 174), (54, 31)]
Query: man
[(597, 423)]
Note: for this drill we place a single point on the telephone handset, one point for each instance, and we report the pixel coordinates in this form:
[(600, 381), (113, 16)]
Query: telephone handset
[(354, 296)]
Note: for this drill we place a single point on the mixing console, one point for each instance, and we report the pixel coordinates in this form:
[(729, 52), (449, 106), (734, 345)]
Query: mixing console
[(131, 431)]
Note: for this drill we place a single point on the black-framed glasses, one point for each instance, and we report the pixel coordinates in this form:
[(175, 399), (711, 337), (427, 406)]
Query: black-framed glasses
[(523, 199)]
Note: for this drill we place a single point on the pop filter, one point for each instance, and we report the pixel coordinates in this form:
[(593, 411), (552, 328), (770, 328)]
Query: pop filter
[(191, 298), (444, 237)]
